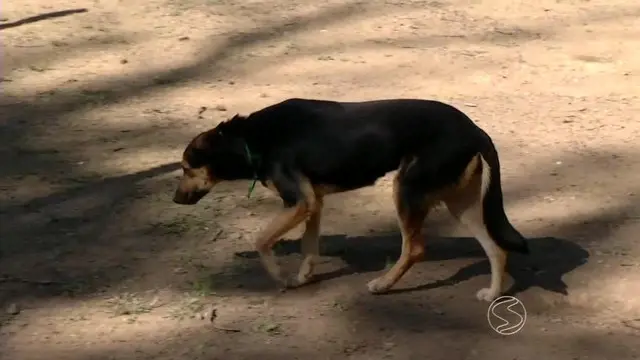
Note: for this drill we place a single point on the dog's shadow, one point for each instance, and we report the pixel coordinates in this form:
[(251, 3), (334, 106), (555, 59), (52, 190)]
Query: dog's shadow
[(549, 259)]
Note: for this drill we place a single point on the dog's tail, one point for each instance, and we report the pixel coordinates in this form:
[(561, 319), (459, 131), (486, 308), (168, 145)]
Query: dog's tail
[(494, 217)]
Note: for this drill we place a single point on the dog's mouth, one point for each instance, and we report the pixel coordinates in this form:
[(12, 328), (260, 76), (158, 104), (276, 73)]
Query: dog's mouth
[(188, 198)]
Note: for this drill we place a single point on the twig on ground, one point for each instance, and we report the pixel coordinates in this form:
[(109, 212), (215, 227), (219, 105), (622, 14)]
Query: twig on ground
[(7, 278)]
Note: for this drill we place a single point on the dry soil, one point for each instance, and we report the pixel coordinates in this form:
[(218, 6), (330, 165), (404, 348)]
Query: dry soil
[(96, 262)]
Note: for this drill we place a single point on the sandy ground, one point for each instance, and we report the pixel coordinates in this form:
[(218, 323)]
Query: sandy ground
[(96, 262)]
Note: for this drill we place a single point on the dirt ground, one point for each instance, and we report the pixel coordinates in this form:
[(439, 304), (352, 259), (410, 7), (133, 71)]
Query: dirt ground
[(96, 262)]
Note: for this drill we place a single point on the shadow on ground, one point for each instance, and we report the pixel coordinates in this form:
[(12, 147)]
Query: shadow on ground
[(550, 259)]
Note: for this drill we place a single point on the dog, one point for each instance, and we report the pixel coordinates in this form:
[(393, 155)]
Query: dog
[(306, 149)]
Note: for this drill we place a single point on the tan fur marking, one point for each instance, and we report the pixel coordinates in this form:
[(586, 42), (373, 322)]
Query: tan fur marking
[(308, 192), (269, 185), (469, 171)]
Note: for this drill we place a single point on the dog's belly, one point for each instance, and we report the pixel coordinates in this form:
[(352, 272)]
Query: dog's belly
[(350, 178)]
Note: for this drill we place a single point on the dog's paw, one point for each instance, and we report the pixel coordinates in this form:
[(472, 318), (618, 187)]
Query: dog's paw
[(290, 282), (378, 286), (295, 281), (487, 294), (303, 278)]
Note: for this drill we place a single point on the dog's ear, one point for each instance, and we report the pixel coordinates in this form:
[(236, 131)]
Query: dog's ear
[(233, 118), (229, 127), (219, 141), (200, 142), (200, 149)]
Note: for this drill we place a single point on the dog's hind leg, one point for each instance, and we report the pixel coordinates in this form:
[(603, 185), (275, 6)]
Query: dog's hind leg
[(411, 213), (466, 204)]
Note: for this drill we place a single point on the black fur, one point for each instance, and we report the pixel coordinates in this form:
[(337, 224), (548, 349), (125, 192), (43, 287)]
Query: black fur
[(350, 145)]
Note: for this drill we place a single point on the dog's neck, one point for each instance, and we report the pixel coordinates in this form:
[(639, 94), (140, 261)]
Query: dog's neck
[(234, 126)]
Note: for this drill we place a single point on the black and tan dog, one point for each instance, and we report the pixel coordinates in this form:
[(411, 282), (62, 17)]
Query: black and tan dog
[(306, 149)]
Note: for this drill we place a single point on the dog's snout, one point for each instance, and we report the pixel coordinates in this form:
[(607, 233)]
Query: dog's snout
[(180, 197), (188, 197)]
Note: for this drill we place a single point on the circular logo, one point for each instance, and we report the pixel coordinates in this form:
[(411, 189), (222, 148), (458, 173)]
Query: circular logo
[(506, 315)]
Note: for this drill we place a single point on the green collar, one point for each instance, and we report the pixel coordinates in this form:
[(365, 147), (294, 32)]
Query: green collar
[(250, 159)]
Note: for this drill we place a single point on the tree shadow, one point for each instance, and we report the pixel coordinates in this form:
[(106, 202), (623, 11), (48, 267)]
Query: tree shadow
[(105, 185), (66, 101), (45, 16)]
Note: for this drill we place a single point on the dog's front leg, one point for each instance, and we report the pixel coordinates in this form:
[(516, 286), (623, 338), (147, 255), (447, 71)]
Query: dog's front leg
[(310, 245), (286, 220), (301, 203)]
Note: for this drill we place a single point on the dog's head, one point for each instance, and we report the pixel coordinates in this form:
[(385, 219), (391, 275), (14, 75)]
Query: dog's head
[(211, 157)]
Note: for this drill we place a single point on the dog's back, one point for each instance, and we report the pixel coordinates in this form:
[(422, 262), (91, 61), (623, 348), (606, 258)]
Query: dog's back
[(352, 144), (402, 116)]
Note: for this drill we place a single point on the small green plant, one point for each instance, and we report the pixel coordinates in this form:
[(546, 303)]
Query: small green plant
[(203, 286), (189, 307), (270, 328)]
